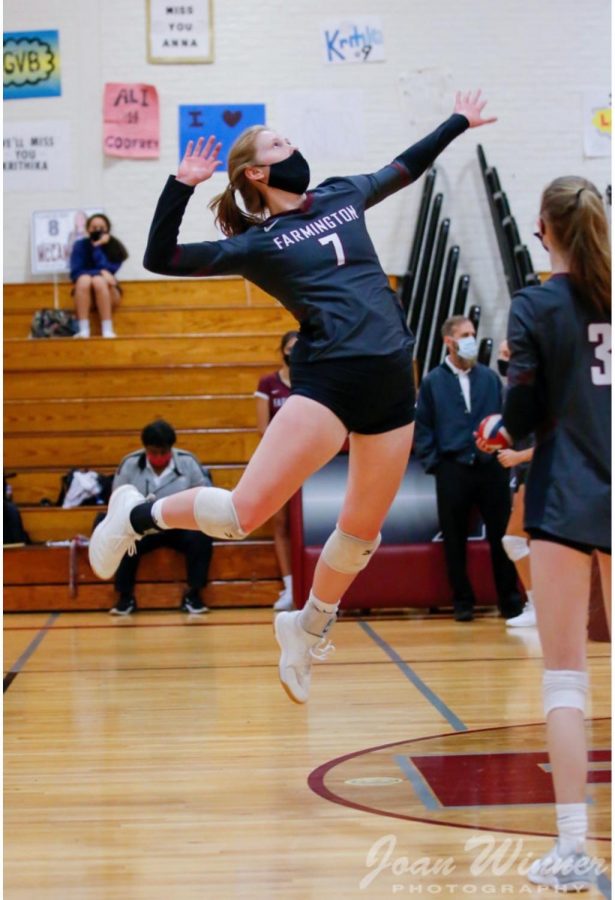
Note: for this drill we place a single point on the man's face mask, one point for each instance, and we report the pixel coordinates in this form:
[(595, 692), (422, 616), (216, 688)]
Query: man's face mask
[(159, 459), (291, 174), (467, 348)]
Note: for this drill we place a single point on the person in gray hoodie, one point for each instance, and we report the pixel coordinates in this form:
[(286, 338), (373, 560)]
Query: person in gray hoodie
[(159, 470)]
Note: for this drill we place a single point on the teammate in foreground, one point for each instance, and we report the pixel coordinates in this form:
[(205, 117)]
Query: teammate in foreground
[(351, 368), (559, 386)]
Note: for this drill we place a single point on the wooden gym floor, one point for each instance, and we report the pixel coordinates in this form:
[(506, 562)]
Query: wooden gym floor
[(157, 758)]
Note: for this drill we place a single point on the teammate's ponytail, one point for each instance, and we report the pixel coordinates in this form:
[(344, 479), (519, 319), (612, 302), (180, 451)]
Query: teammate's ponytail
[(229, 216), (575, 212)]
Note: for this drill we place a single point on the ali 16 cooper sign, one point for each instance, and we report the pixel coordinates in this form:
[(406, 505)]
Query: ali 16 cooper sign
[(131, 121)]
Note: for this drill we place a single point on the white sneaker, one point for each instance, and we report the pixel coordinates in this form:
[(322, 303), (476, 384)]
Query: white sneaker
[(574, 872), (284, 603), (525, 619), (298, 649), (110, 334), (115, 536)]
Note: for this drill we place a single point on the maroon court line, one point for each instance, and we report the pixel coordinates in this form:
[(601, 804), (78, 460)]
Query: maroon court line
[(316, 783), (343, 618)]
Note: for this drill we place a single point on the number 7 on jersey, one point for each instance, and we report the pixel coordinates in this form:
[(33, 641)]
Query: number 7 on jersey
[(337, 245)]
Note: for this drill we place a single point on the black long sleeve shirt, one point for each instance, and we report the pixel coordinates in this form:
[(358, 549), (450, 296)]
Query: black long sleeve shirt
[(559, 385), (317, 260)]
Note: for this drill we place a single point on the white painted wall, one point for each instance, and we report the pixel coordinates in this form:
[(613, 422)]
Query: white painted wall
[(533, 60)]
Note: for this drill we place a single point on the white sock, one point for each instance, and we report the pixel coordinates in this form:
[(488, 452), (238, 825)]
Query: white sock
[(157, 514), (317, 617), (84, 327), (530, 598), (107, 327), (288, 583), (571, 826)]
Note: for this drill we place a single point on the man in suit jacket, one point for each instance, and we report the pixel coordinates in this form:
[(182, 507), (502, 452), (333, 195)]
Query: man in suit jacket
[(453, 398)]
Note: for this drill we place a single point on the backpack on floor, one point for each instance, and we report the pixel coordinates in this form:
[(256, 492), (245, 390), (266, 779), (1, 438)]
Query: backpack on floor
[(53, 323)]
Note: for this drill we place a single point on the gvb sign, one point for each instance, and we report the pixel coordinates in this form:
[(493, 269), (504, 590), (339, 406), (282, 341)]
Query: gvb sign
[(359, 40)]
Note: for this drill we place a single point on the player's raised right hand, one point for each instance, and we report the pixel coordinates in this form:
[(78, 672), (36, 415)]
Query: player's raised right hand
[(199, 162)]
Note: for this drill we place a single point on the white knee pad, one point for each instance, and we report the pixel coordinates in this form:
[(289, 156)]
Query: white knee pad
[(215, 514), (348, 554), (515, 547), (564, 688)]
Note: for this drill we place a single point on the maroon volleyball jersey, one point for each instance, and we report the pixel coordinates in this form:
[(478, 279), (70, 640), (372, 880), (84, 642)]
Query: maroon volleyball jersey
[(273, 389)]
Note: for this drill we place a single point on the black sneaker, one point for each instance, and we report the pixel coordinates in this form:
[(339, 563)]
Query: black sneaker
[(464, 615), (192, 603), (125, 606)]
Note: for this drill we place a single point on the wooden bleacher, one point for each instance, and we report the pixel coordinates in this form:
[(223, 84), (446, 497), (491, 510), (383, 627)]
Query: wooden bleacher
[(189, 351)]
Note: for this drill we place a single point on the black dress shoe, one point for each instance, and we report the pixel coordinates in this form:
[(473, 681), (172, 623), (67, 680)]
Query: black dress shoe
[(510, 610), (464, 615)]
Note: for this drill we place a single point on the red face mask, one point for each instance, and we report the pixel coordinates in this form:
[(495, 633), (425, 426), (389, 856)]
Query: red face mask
[(159, 459)]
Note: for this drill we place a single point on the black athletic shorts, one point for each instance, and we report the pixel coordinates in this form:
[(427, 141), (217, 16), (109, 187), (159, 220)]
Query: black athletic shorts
[(537, 534), (369, 394)]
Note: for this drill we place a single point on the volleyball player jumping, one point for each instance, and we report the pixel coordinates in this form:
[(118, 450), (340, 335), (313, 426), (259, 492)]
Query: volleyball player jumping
[(351, 368)]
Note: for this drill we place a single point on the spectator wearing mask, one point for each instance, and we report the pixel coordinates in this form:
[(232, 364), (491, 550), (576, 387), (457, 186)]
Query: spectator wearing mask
[(94, 262), (159, 470), (453, 399), (272, 392)]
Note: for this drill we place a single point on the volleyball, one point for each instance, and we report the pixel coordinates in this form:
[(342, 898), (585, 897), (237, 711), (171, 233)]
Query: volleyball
[(493, 434)]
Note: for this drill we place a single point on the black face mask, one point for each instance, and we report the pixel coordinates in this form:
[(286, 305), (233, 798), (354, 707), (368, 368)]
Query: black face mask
[(96, 235), (291, 174), (503, 367)]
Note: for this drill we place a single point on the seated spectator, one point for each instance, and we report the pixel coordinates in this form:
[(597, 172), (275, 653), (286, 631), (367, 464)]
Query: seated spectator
[(13, 531), (94, 261), (159, 470), (453, 399), (270, 395)]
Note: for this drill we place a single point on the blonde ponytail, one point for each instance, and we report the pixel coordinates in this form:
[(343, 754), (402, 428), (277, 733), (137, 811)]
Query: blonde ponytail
[(574, 209), (229, 216)]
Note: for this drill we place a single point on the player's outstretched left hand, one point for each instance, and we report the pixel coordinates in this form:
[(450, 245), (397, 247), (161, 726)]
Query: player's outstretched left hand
[(199, 162), (471, 106)]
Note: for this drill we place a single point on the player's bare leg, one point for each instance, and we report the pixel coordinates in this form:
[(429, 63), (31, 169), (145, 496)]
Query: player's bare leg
[(516, 546), (302, 437), (561, 579), (376, 467)]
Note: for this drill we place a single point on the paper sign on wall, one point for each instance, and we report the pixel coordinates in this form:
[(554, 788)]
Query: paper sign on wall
[(31, 64), (54, 231), (37, 156), (131, 121), (597, 123), (226, 122), (180, 32), (356, 40), (325, 125)]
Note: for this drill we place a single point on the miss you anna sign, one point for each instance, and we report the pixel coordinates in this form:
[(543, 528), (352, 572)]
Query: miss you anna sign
[(180, 32)]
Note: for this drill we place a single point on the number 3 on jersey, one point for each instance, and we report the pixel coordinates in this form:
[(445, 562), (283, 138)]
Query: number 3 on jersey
[(337, 245), (600, 334)]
